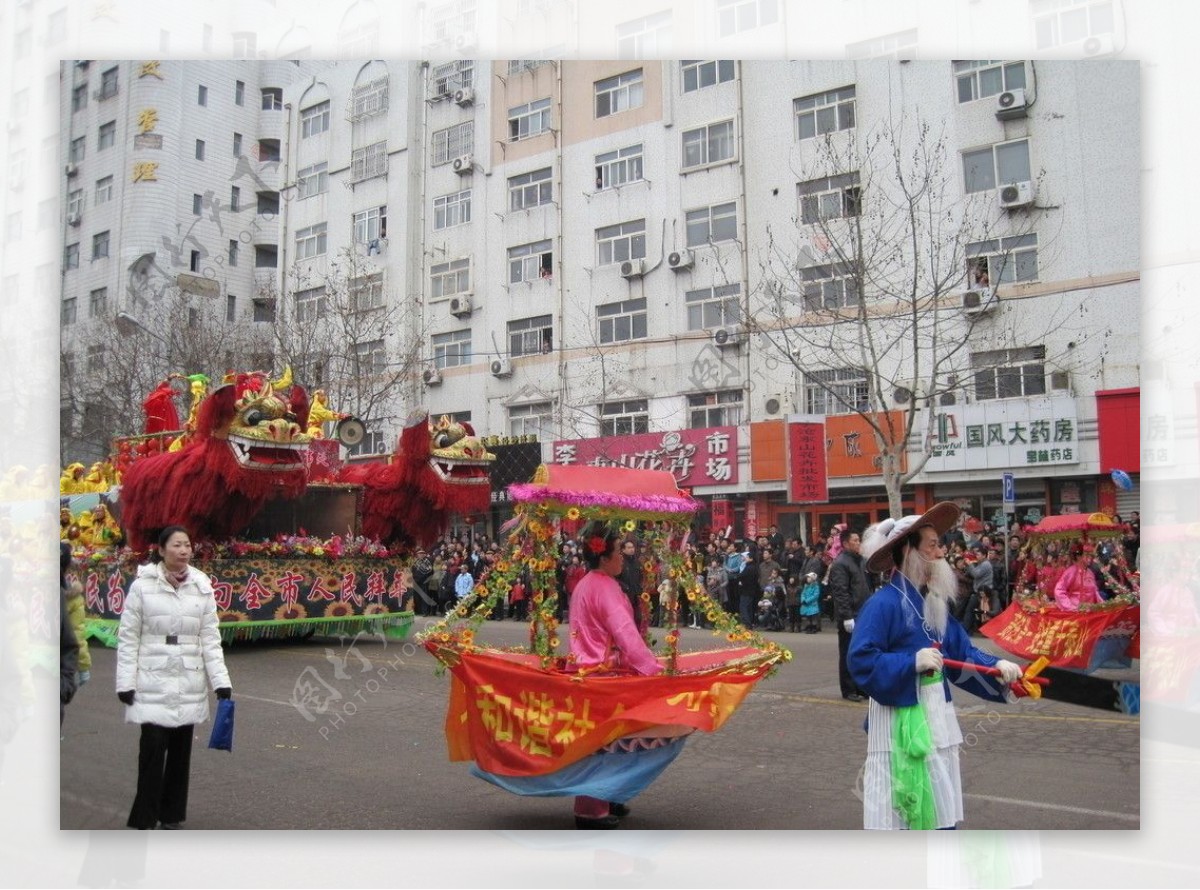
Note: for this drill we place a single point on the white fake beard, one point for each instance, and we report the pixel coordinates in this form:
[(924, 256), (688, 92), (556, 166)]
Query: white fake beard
[(941, 585)]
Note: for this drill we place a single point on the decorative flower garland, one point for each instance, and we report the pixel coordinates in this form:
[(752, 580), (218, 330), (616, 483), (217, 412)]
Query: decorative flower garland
[(280, 547)]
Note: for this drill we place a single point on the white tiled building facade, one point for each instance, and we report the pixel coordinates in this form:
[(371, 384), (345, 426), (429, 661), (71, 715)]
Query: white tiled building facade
[(563, 242)]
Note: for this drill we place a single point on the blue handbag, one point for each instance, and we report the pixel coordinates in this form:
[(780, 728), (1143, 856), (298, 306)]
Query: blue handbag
[(222, 731)]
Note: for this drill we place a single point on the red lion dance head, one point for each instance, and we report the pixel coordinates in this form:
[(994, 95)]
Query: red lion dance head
[(248, 447)]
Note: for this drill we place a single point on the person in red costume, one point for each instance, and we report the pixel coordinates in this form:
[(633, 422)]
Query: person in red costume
[(604, 636), (1077, 585), (161, 415)]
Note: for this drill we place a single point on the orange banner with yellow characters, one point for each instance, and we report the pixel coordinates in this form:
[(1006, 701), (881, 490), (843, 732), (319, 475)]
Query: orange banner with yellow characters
[(1068, 639), (514, 719)]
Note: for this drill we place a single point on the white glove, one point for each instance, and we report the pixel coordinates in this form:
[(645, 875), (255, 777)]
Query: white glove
[(928, 660), (1009, 672), (848, 624)]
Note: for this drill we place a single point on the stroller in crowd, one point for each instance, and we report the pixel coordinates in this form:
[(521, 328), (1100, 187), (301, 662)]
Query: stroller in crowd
[(770, 613)]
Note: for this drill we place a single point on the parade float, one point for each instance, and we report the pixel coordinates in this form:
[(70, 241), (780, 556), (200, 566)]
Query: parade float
[(295, 543), (528, 718), (1094, 637)]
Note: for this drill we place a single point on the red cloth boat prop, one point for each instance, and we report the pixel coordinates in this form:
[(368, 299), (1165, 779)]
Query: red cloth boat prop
[(534, 723)]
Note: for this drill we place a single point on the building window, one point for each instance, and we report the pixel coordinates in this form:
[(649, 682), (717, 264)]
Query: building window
[(239, 93), (272, 99), (624, 241), (268, 150), (197, 204), (310, 303), (202, 95), (530, 189), (266, 256), (713, 307), (1073, 22), (99, 245), (230, 308), (620, 93), (616, 168), (529, 262), (528, 120), (830, 197), (194, 261), (535, 420), (735, 16), (95, 358), (624, 418), (709, 225), (622, 321), (453, 142), (264, 309), (370, 225), (372, 443), (98, 302), (1009, 373), (368, 162), (823, 113), (708, 145), (70, 308), (77, 150), (235, 198), (71, 256), (233, 251), (104, 190), (452, 210), (453, 76), (237, 145), (366, 292), (199, 149), (267, 204), (446, 279), (369, 99), (370, 359), (310, 242), (314, 120), (980, 79), (1002, 260), (79, 97), (996, 165), (828, 287), (312, 180), (108, 135), (452, 349), (836, 391), (698, 74), (897, 45), (648, 37), (75, 202), (721, 408), (516, 66), (530, 336), (108, 84)]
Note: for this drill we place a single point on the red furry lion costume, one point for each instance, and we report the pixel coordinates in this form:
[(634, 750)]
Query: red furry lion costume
[(248, 447), (437, 469)]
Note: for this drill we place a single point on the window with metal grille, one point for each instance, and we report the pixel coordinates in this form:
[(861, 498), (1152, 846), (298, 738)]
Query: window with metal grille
[(369, 99), (368, 162), (836, 391), (452, 142), (447, 79)]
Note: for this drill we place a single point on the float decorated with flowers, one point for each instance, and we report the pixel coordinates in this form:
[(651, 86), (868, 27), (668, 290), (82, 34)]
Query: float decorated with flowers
[(529, 718)]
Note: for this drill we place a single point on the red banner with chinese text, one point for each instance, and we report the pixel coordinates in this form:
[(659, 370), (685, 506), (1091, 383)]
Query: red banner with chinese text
[(514, 719), (1068, 639), (807, 480)]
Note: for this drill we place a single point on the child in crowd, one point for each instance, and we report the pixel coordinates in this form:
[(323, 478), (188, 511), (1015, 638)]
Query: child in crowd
[(810, 604)]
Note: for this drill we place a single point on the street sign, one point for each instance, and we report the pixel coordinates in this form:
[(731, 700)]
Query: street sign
[(1009, 489)]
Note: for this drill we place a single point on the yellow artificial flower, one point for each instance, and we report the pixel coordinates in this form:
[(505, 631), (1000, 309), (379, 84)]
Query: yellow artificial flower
[(630, 525), (573, 514)]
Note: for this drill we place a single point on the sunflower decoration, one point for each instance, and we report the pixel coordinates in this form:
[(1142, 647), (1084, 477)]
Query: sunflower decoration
[(375, 609), (338, 610), (290, 612), (231, 616)]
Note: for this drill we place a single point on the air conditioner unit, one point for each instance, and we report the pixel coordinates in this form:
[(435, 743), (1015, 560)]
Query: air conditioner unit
[(464, 97), (432, 377), (907, 393), (502, 367), (1015, 196), (979, 302), (1060, 380), (680, 259), (729, 336), (461, 306), (777, 405), (633, 269), (1011, 104), (73, 219), (1098, 45), (83, 63), (464, 42), (463, 164), (71, 169)]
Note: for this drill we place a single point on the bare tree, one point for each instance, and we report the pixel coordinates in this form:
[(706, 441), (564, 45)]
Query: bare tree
[(865, 294), (342, 331)]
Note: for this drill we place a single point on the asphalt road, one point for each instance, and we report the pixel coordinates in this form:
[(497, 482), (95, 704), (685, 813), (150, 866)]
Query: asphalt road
[(788, 759)]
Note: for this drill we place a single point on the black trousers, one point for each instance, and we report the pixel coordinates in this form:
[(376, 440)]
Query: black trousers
[(164, 762), (849, 687)]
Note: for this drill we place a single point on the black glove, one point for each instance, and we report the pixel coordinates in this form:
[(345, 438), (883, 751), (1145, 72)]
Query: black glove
[(224, 692), (126, 697)]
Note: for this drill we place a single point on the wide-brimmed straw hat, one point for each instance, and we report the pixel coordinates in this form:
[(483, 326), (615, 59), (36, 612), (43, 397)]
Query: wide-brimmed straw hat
[(880, 540)]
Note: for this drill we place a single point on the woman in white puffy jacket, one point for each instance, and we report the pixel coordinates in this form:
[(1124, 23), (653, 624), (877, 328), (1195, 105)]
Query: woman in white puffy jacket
[(168, 652)]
